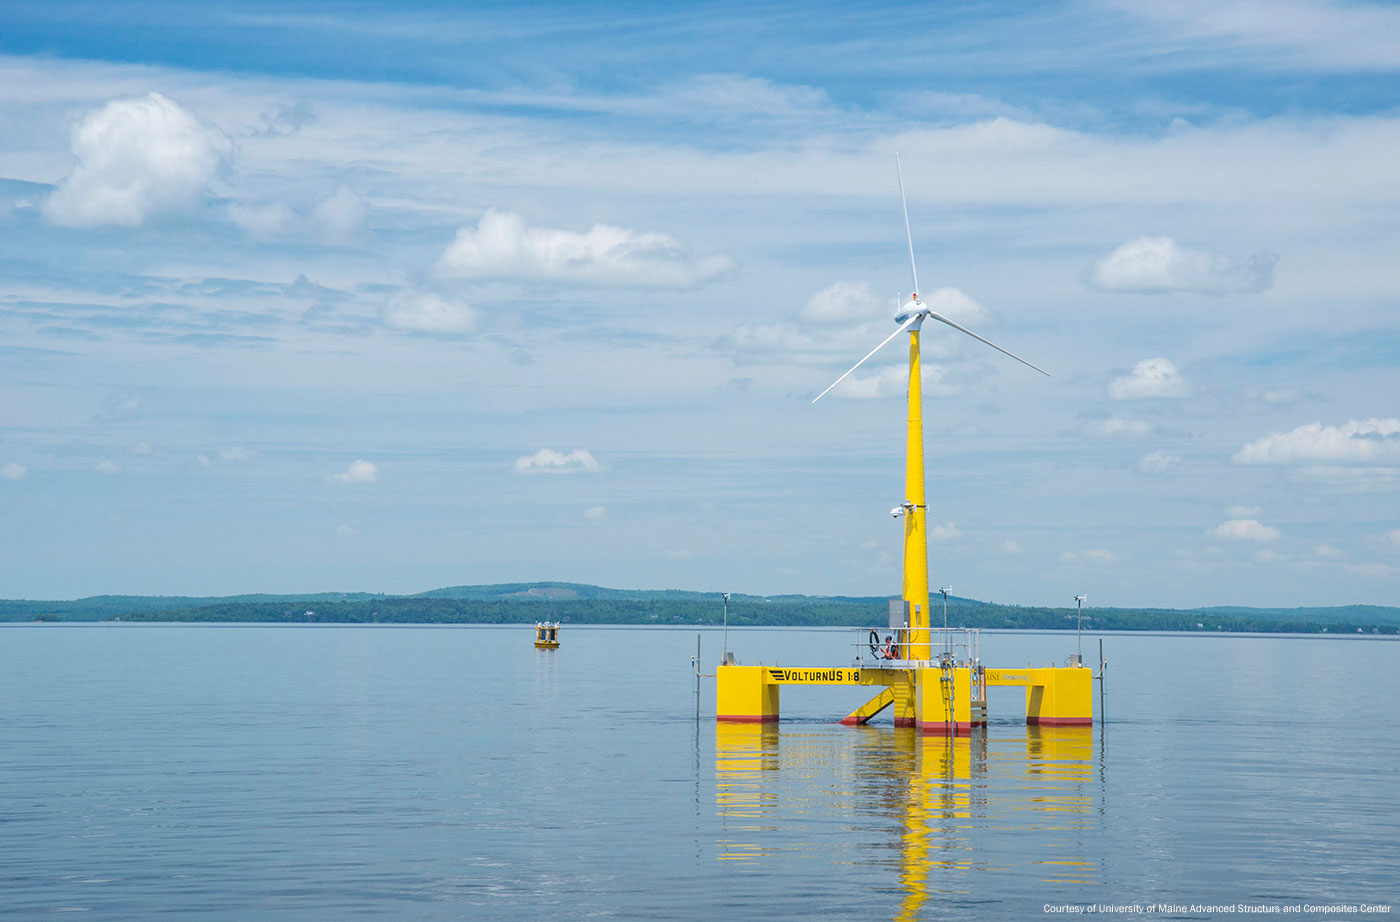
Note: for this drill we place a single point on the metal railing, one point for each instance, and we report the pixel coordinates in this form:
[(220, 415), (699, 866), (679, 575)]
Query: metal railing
[(887, 646)]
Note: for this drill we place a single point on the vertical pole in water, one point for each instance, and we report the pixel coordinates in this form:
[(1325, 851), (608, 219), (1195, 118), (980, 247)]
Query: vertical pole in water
[(697, 678), (1102, 693), (952, 697), (947, 637), (1079, 627), (722, 655)]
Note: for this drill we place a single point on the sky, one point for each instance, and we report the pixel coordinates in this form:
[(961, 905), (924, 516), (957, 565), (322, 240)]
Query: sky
[(384, 297)]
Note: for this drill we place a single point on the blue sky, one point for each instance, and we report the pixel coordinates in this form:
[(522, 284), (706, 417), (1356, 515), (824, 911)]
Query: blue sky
[(390, 297)]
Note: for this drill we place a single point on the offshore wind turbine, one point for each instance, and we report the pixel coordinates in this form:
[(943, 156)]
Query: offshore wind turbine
[(910, 318)]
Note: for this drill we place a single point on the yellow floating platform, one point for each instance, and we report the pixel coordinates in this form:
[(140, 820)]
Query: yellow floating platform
[(933, 698), (546, 635)]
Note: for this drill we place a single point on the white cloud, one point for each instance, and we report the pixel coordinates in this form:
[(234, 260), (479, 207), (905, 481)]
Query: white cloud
[(425, 312), (1115, 427), (339, 217), (832, 344), (1329, 36), (730, 96), (283, 120), (549, 461), (945, 532), (13, 471), (842, 302), (1279, 396), (137, 158), (107, 467), (1158, 462), (1096, 554), (503, 246), (264, 221), (855, 305), (956, 305), (1326, 550), (1244, 530), (359, 471), (336, 219), (705, 98), (769, 339), (1356, 477), (1392, 536), (1356, 441), (1373, 570), (231, 455), (345, 531), (1154, 265), (1021, 160), (595, 512), (893, 381), (1010, 547), (118, 407), (1149, 378), (142, 448)]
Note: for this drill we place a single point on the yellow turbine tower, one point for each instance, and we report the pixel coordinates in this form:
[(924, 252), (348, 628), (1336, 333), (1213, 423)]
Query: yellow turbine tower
[(914, 508)]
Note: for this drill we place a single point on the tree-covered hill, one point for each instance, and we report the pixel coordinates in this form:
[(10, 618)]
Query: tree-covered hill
[(577, 603), (106, 607)]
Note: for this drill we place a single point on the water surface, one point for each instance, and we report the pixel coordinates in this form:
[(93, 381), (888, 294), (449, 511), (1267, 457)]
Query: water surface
[(331, 772)]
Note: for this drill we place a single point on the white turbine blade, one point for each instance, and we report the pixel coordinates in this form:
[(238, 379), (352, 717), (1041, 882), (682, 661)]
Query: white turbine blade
[(909, 235), (942, 319), (902, 327)]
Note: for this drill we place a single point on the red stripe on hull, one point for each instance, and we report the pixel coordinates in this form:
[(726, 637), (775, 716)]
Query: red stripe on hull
[(747, 718), (961, 729), (1060, 721), (905, 722)]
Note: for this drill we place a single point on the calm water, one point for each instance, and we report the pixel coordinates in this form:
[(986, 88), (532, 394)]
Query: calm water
[(322, 773)]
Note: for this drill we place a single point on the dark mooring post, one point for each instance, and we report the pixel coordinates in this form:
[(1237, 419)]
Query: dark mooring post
[(697, 678), (1102, 692)]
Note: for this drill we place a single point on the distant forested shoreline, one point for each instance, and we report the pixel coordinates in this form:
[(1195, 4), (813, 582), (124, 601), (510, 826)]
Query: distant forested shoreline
[(514, 603)]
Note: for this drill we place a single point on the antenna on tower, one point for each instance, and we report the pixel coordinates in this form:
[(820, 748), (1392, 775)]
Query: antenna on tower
[(1078, 630)]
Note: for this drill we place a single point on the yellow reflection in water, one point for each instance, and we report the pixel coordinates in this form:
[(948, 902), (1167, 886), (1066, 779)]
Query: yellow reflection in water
[(743, 752), (938, 815), (1060, 765), (954, 804)]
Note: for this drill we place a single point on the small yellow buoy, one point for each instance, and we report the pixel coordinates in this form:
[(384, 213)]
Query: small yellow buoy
[(546, 635)]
